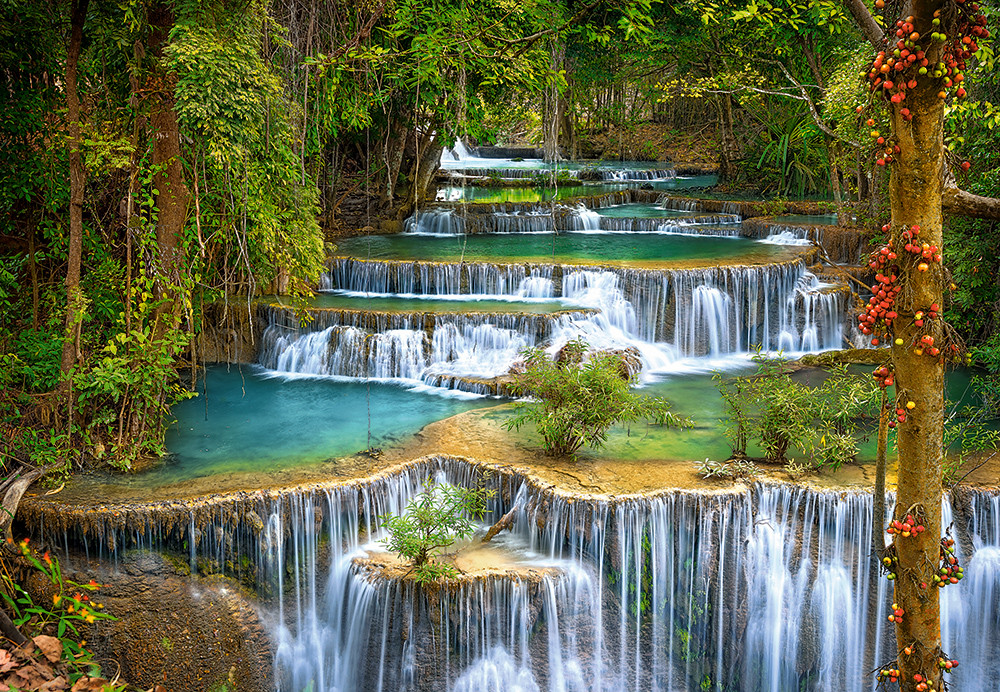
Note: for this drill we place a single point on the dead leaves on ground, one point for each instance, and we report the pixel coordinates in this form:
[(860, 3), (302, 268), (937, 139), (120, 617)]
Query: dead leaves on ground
[(36, 667)]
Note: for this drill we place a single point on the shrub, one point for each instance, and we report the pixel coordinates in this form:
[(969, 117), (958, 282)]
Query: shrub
[(576, 402), (433, 520), (770, 408)]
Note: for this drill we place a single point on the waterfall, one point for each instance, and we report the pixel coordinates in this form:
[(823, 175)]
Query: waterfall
[(661, 313), (584, 220), (782, 234), (415, 279), (458, 153), (680, 204), (747, 589), (435, 222)]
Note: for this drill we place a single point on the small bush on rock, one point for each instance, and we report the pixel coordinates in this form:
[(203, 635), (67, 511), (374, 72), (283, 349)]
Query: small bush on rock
[(577, 400)]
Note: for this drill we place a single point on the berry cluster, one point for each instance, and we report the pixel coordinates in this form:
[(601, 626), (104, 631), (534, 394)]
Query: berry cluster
[(924, 684), (967, 25), (889, 675), (911, 58), (884, 377), (926, 252), (879, 309), (947, 664), (890, 562), (901, 412), (910, 526), (951, 572)]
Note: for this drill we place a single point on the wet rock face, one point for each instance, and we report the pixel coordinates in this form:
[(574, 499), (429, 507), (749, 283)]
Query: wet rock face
[(174, 630)]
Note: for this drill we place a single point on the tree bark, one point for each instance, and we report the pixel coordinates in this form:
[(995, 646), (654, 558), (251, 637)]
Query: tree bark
[(77, 181), (869, 28), (173, 195), (961, 203), (915, 195)]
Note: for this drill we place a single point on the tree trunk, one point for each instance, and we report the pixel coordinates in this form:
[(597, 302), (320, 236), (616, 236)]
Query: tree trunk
[(430, 159), (173, 195), (843, 216), (729, 149), (915, 190), (77, 180), (395, 145), (877, 541)]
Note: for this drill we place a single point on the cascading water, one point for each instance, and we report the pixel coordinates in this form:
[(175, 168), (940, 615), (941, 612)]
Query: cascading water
[(663, 315), (585, 220), (434, 222), (758, 590)]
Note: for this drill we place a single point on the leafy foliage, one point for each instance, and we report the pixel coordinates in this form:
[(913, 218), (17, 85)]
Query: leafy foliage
[(433, 520), (576, 401), (780, 414), (72, 608)]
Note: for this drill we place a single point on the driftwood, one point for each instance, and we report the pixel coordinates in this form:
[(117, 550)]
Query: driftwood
[(13, 489), (506, 523)]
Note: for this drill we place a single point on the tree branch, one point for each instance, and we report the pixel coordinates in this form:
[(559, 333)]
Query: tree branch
[(962, 203), (866, 23), (812, 106)]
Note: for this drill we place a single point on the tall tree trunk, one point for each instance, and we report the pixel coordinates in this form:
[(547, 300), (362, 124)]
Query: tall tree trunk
[(173, 195), (915, 190), (877, 546), (843, 216), (728, 149), (395, 146), (430, 159), (77, 180)]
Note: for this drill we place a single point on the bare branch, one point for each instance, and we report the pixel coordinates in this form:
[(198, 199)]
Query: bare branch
[(812, 106)]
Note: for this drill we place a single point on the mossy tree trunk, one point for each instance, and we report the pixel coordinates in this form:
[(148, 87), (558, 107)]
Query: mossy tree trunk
[(172, 194), (915, 191), (77, 181)]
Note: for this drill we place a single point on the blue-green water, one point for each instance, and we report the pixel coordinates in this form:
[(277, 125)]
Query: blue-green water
[(646, 211), (639, 249), (540, 165), (251, 423)]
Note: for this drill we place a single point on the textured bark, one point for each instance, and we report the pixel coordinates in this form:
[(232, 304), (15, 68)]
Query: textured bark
[(430, 160), (77, 181), (172, 200), (729, 151), (915, 191), (963, 203), (872, 31)]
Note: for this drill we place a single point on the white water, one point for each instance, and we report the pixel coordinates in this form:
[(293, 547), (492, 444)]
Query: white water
[(759, 590), (676, 320)]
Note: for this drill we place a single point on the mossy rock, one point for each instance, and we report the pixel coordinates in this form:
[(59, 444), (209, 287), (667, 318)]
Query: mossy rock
[(849, 356)]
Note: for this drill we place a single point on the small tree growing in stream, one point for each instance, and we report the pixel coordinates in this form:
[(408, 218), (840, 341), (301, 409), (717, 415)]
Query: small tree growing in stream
[(825, 422), (433, 520), (576, 402)]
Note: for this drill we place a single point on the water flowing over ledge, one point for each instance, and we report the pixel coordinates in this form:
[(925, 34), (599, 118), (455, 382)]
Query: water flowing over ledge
[(662, 315), (759, 588)]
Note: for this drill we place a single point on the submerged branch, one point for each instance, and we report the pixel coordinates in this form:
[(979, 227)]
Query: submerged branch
[(506, 523)]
